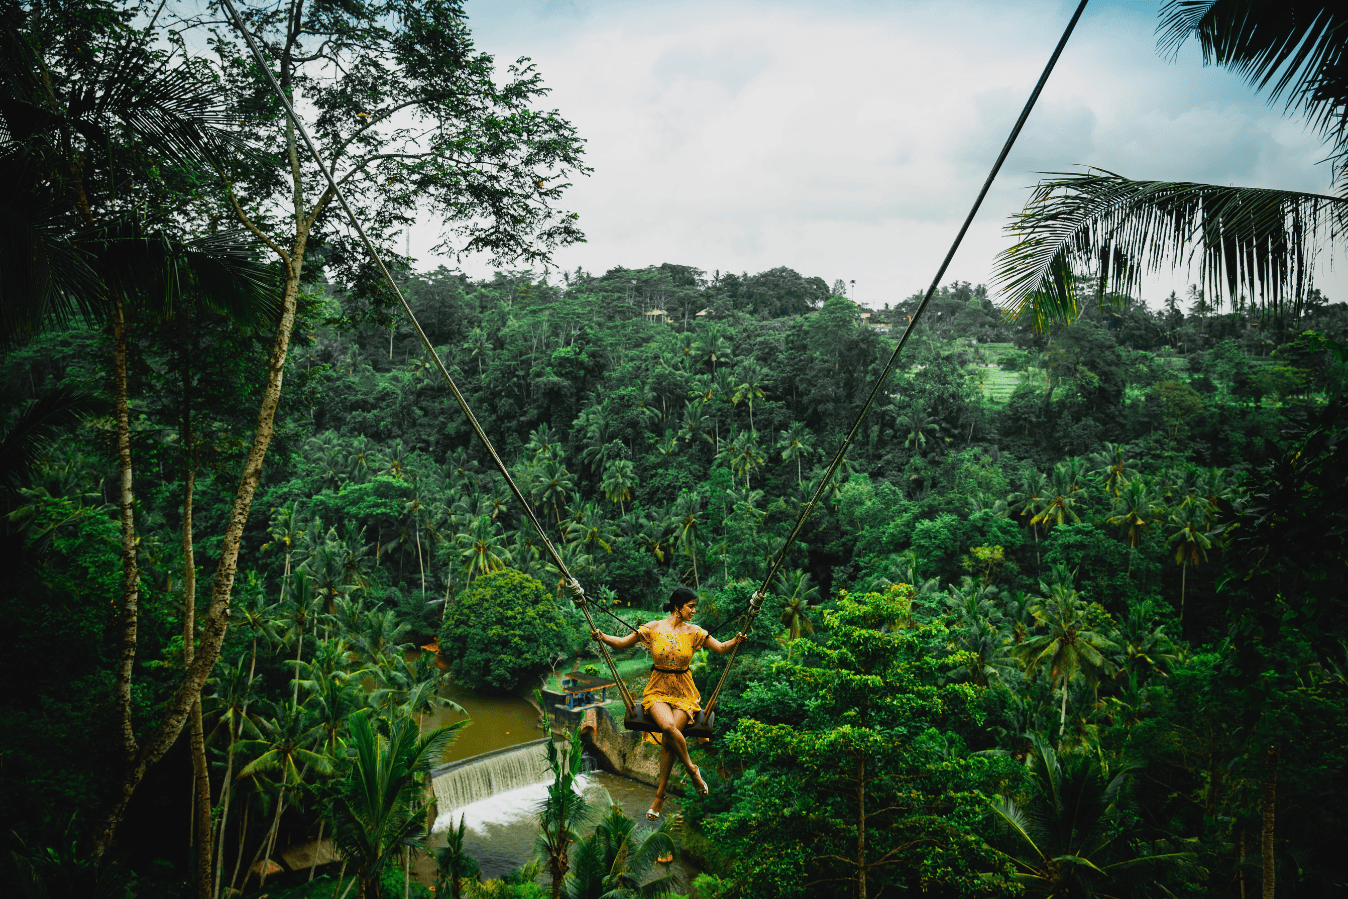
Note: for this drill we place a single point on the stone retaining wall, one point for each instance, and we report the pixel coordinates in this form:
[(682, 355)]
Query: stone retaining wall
[(620, 751)]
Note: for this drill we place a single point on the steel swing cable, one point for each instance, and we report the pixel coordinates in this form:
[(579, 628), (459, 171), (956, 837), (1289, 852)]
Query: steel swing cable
[(756, 603), (571, 584)]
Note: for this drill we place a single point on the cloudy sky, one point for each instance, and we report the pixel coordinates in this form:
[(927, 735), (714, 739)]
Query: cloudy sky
[(846, 139)]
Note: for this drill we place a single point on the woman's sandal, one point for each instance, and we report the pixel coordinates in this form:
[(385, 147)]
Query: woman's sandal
[(653, 814), (696, 774)]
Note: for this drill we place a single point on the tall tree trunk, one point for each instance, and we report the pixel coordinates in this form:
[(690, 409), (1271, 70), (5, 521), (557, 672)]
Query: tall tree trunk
[(861, 828), (299, 648), (341, 872), (1240, 870), (238, 857), (197, 734), (270, 841), (225, 794), (179, 705), (130, 569), (1062, 721), (1184, 581), (421, 564), (313, 856), (1268, 873), (202, 804)]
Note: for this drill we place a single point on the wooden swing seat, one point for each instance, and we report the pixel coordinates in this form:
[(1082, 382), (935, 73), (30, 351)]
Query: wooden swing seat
[(702, 725)]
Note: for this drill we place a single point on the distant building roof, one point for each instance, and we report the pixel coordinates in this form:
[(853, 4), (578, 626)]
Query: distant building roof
[(585, 683)]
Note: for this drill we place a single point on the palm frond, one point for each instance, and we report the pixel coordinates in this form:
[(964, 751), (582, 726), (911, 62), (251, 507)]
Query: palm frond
[(220, 271), (1253, 241), (39, 424), (1292, 48), (44, 275), (1013, 821)]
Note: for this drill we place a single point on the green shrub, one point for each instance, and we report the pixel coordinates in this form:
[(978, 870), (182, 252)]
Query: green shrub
[(501, 630)]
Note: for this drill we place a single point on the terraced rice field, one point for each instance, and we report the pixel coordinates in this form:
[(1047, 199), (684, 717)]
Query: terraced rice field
[(998, 385)]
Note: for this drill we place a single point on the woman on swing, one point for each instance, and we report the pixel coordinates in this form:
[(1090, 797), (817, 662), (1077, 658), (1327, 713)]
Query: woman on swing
[(671, 698)]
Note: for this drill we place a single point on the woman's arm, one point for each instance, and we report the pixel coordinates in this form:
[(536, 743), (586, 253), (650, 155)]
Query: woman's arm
[(723, 648), (615, 642)]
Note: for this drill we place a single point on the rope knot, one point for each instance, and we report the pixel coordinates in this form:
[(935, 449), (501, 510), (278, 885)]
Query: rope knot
[(576, 590), (756, 601)]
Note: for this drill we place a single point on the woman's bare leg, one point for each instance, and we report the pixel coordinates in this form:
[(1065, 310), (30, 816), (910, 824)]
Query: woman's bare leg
[(672, 722), (666, 765)]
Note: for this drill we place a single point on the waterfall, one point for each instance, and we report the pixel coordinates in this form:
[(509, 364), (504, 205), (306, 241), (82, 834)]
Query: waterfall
[(462, 783)]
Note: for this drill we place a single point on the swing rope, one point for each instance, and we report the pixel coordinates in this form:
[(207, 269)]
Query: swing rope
[(569, 582), (756, 601)]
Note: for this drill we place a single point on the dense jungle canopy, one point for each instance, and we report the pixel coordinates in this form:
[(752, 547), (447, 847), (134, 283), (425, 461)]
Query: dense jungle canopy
[(1069, 622)]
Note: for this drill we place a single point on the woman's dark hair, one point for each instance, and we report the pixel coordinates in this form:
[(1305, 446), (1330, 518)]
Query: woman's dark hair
[(681, 597)]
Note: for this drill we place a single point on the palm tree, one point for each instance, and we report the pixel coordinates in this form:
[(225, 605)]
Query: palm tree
[(1134, 509), (1029, 500), (1075, 838), (362, 459), (687, 512), (461, 471), (482, 550), (616, 861), (695, 424), (986, 652), (327, 573), (1113, 468), (1064, 492), (326, 452), (916, 425), (562, 810), (797, 595), (796, 443), (414, 514), (453, 865), (261, 618), (552, 485), (1144, 646), (332, 693), (753, 381), (544, 443), (658, 534), (620, 479), (1252, 242), (478, 346), (304, 604), (744, 456), (713, 347), (1192, 539), (596, 423), (1069, 648), (354, 553), (286, 530), (381, 638), (669, 445), (230, 692), (588, 531), (380, 811), (282, 745), (395, 466)]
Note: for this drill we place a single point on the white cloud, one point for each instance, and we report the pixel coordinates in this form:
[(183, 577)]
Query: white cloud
[(847, 140)]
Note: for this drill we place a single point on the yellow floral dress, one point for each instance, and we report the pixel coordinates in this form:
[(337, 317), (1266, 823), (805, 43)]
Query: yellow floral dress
[(670, 682)]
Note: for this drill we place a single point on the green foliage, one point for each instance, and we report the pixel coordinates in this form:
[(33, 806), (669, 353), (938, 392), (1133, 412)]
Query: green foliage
[(379, 811), (501, 630), (1074, 835), (799, 825)]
